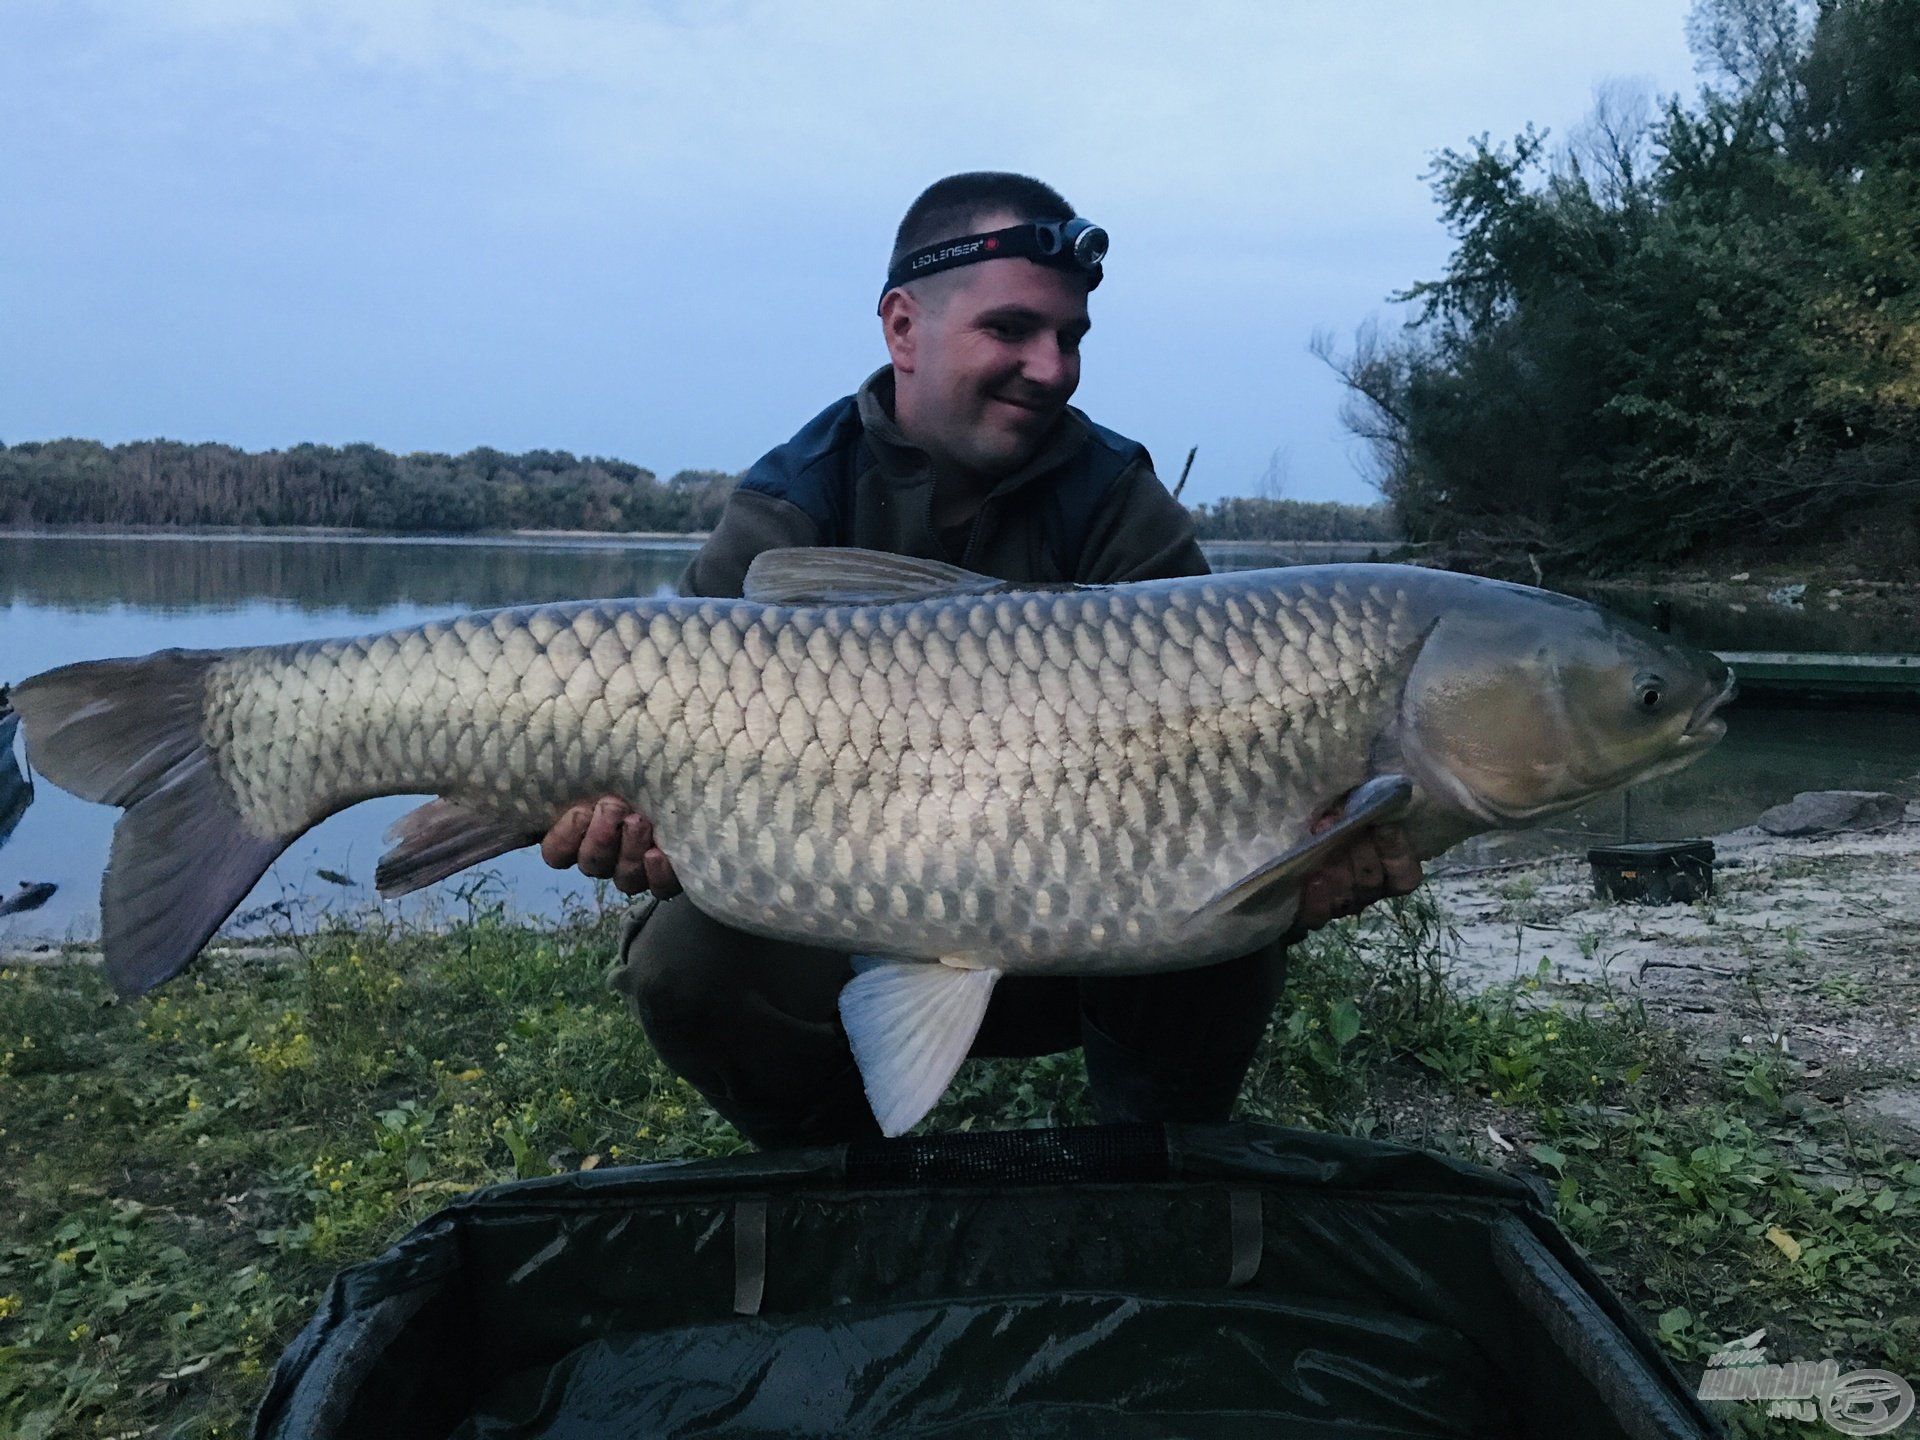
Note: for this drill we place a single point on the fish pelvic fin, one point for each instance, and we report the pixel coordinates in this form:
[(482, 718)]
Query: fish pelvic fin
[(1379, 801), (442, 838), (911, 1023), (130, 733)]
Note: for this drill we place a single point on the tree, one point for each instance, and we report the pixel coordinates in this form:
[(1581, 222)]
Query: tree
[(1699, 326)]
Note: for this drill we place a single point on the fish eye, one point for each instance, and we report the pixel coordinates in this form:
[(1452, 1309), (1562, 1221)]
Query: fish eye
[(1649, 691)]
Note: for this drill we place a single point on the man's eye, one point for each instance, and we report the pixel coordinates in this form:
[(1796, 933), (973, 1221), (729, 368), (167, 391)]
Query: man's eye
[(1003, 331)]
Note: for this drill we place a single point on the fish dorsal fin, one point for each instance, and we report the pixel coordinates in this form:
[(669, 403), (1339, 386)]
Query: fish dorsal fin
[(823, 575), (1380, 801)]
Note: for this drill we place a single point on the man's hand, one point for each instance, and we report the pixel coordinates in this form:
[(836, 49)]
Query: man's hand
[(1377, 864), (609, 840)]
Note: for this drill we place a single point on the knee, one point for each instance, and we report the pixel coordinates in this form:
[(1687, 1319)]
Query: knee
[(657, 971)]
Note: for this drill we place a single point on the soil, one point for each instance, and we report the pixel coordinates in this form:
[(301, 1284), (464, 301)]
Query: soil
[(1806, 945)]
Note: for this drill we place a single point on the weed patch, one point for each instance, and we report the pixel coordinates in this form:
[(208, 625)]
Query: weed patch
[(179, 1176)]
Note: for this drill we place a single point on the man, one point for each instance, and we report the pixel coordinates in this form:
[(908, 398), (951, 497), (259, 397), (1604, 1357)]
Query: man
[(962, 449)]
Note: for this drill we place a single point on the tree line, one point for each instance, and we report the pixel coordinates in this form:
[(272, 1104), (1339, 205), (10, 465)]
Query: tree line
[(362, 487), (1692, 327), (166, 483)]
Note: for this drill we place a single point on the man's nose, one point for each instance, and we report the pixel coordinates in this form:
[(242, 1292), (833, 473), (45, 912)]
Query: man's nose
[(1050, 364)]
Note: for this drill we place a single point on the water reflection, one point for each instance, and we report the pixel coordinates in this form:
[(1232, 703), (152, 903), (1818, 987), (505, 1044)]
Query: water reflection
[(92, 574)]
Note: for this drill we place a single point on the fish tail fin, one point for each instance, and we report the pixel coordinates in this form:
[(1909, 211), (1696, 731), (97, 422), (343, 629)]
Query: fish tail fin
[(130, 733)]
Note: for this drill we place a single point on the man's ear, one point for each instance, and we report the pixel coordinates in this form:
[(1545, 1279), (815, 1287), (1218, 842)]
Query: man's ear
[(900, 322)]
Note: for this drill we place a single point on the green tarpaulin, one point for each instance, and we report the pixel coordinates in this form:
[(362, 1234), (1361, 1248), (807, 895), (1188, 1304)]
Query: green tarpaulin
[(1232, 1280)]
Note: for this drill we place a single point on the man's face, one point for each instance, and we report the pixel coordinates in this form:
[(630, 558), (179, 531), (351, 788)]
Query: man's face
[(991, 357)]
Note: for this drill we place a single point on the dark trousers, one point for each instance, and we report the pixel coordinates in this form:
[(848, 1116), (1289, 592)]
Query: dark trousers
[(754, 1025)]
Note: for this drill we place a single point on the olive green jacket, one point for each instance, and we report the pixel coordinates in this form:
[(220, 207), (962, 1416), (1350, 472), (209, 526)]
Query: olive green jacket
[(1087, 508)]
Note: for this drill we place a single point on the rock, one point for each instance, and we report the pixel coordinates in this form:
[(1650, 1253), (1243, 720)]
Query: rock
[(1898, 1103), (1791, 596), (1741, 577), (1821, 812)]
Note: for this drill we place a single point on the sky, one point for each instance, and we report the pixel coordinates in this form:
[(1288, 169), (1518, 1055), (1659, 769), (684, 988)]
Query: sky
[(656, 231)]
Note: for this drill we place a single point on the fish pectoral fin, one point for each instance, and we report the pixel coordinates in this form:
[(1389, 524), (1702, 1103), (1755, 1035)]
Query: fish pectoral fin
[(442, 838), (911, 1023), (1380, 801), (844, 575)]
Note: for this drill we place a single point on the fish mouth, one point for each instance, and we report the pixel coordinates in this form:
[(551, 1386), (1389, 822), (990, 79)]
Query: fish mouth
[(1706, 723)]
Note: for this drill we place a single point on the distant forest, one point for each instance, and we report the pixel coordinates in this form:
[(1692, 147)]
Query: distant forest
[(165, 483), (361, 487), (1688, 328)]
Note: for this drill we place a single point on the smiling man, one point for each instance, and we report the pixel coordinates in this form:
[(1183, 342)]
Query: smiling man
[(965, 449)]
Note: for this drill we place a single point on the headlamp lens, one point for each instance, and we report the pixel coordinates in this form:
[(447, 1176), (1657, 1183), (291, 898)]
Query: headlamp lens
[(1089, 243)]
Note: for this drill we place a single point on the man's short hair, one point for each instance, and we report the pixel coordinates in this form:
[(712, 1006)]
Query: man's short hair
[(955, 206)]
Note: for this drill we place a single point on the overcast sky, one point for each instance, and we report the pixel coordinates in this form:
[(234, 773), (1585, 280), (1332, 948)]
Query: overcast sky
[(657, 231)]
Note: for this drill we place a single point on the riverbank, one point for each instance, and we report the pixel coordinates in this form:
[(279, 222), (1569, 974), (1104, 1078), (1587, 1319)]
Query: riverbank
[(1805, 949), (180, 1175)]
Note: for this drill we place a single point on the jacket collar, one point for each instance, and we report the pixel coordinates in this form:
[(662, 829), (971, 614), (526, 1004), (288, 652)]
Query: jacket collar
[(904, 463)]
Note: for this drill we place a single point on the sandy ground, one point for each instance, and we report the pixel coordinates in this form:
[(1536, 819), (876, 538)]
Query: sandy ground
[(1806, 944)]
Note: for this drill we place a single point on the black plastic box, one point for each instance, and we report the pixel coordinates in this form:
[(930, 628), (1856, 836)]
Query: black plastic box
[(1663, 873)]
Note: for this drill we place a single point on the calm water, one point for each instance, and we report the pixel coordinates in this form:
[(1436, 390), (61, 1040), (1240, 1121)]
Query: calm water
[(64, 599)]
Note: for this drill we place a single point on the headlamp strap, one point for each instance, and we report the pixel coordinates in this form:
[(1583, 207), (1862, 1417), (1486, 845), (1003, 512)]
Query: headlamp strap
[(1039, 242)]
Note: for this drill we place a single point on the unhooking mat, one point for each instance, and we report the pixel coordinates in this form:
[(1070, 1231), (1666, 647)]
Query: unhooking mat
[(1231, 1280)]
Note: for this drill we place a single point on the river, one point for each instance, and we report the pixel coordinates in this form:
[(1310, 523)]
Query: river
[(68, 597)]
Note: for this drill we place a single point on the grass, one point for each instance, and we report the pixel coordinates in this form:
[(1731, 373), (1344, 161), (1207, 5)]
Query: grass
[(180, 1176)]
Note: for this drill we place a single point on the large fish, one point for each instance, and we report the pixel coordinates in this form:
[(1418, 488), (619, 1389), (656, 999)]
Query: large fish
[(892, 756)]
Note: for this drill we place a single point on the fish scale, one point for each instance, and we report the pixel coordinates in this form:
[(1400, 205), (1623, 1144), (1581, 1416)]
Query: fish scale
[(1025, 749)]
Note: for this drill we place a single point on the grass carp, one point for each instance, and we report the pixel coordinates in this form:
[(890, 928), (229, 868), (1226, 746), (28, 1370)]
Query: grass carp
[(960, 777)]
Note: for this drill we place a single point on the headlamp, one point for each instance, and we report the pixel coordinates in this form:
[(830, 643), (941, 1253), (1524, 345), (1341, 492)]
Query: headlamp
[(1077, 245)]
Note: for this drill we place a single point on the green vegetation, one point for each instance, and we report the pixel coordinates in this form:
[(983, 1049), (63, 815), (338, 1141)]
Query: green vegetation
[(179, 1176), (165, 483), (1694, 328), (1243, 517)]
